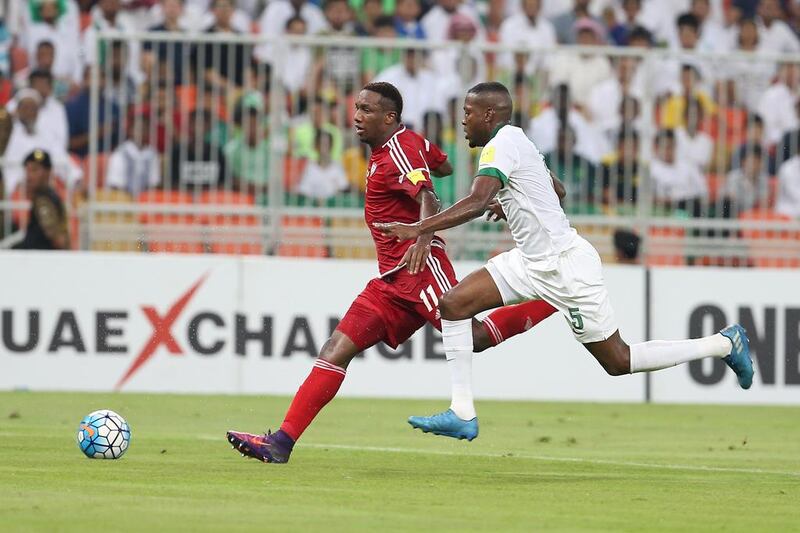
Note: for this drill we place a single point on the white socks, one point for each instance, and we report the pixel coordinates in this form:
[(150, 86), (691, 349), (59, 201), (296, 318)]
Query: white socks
[(655, 355), (457, 340)]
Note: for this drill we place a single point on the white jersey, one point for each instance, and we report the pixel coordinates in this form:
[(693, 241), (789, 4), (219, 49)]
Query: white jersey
[(539, 226)]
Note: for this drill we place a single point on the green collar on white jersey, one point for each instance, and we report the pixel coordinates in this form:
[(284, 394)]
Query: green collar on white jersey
[(497, 128)]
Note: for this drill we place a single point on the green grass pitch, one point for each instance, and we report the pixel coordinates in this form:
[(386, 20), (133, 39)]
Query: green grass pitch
[(360, 467)]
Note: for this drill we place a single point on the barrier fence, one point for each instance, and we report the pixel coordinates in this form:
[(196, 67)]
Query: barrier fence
[(243, 144)]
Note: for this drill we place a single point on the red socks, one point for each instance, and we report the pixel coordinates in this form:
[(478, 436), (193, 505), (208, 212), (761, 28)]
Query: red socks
[(317, 390), (505, 322)]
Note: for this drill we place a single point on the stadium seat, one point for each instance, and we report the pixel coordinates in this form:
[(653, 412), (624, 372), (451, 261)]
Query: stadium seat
[(171, 232), (229, 240), (102, 166), (121, 228), (302, 236), (666, 246), (715, 183), (352, 228), (292, 172), (763, 244)]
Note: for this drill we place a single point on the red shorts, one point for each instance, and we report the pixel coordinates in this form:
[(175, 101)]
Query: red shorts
[(391, 309)]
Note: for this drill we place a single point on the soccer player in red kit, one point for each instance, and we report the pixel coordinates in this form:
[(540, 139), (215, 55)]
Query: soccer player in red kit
[(413, 274)]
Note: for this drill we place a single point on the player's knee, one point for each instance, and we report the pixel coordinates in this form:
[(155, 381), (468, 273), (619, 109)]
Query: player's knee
[(450, 308)]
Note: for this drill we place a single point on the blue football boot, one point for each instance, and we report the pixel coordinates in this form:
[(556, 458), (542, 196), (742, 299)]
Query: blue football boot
[(739, 359), (446, 424)]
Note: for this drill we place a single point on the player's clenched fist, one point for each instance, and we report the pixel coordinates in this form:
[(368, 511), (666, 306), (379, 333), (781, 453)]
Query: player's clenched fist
[(401, 231)]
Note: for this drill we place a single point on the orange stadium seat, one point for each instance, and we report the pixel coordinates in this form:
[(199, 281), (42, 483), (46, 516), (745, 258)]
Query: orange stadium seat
[(102, 166), (763, 242), (665, 247), (293, 168), (229, 242), (171, 232), (302, 236)]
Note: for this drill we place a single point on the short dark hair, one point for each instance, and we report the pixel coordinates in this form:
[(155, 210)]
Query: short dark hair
[(626, 243), (755, 118), (753, 149), (384, 21), (489, 87), (627, 134), (328, 3), (293, 19), (689, 20), (642, 33), (665, 135), (40, 73), (45, 44), (388, 92)]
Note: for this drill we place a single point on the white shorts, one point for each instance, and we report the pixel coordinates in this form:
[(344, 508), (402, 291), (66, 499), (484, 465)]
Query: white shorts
[(576, 288)]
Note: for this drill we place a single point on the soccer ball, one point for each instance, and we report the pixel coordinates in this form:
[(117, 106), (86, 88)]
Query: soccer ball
[(103, 435)]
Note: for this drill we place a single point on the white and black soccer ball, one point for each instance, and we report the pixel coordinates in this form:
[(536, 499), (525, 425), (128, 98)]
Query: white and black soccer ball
[(104, 434)]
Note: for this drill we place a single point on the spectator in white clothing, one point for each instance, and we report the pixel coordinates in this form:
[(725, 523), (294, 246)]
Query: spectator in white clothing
[(676, 183), (751, 75), (298, 59), (134, 166), (582, 72), (52, 116), (714, 37), (436, 22), (527, 29), (28, 135), (108, 15), (692, 144), (788, 201), (746, 187), (543, 129), (776, 35), (278, 12), (777, 104), (605, 99), (274, 19), (61, 29), (416, 84), (323, 178)]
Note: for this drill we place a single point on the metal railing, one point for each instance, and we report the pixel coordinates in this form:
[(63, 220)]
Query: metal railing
[(254, 149)]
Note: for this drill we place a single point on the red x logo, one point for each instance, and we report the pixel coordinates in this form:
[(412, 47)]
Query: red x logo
[(162, 333)]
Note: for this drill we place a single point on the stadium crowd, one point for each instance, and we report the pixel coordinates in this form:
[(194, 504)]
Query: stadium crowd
[(718, 135)]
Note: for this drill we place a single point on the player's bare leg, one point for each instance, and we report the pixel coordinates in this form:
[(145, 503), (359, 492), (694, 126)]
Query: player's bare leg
[(476, 293), (730, 344)]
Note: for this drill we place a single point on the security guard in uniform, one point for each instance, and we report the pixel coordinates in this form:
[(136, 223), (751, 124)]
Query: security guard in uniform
[(47, 225)]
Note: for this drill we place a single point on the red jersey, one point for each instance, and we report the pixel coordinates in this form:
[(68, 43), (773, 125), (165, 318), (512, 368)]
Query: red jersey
[(396, 173)]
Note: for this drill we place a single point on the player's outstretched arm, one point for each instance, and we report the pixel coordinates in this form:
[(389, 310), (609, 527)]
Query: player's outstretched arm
[(484, 189), (445, 169)]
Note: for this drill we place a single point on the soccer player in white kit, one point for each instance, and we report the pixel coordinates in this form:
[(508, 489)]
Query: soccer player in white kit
[(550, 261)]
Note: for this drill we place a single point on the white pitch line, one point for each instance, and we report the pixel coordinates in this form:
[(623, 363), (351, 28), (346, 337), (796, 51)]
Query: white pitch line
[(550, 458), (556, 459)]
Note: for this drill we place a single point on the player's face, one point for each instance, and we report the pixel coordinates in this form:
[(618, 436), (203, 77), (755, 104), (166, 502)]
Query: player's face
[(371, 120), (475, 125)]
